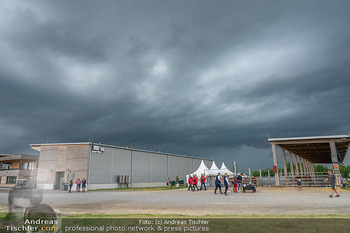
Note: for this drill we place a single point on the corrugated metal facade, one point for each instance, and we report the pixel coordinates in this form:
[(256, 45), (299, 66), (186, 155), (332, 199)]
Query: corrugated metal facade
[(144, 167), (60, 162)]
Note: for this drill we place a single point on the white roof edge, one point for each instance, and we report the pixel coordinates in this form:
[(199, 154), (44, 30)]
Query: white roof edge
[(119, 147), (309, 138), (60, 143)]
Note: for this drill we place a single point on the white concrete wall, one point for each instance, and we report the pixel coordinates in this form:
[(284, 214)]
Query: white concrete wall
[(60, 158)]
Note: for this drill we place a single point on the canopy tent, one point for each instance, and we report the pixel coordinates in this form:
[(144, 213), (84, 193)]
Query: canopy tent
[(202, 169), (224, 170), (214, 170)]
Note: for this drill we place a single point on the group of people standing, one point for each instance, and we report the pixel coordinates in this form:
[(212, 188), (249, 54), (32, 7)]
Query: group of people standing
[(236, 181), (79, 184), (193, 181), (219, 181)]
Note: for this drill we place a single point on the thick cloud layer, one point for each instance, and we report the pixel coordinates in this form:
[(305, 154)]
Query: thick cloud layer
[(206, 78)]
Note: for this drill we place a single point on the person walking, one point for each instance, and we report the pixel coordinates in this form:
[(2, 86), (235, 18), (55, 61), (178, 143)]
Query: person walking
[(194, 183), (299, 185), (78, 182), (203, 182), (83, 184), (333, 180), (218, 183), (226, 183), (234, 181), (190, 182), (70, 184), (239, 182)]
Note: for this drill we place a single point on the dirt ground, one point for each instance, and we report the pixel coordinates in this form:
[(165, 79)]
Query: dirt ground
[(266, 201)]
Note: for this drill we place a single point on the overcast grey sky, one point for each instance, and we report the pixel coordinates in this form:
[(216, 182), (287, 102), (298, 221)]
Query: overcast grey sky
[(203, 78)]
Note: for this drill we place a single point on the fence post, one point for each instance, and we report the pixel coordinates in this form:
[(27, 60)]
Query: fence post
[(250, 176), (260, 178), (279, 177), (235, 167)]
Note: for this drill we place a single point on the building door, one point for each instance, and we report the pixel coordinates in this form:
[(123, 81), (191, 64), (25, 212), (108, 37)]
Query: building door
[(11, 180), (58, 183)]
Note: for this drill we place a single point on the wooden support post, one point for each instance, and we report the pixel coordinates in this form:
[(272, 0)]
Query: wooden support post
[(309, 163), (301, 166), (335, 160), (291, 163), (313, 173), (284, 165), (284, 162), (296, 165), (305, 167), (311, 168), (275, 163), (333, 152)]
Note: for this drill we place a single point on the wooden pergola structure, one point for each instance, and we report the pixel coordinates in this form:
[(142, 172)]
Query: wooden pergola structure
[(308, 151)]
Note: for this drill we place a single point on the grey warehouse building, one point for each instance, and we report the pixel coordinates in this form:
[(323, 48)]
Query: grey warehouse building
[(103, 165)]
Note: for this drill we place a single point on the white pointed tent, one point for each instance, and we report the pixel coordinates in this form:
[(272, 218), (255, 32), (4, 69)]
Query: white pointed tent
[(214, 170), (202, 169), (224, 170)]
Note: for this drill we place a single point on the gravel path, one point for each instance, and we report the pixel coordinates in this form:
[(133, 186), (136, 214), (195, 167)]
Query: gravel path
[(266, 201)]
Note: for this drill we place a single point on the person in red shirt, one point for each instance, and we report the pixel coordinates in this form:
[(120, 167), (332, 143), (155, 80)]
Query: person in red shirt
[(194, 183), (190, 180), (203, 182)]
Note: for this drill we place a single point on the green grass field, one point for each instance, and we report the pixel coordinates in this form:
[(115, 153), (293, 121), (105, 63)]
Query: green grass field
[(219, 225), (209, 223), (204, 216)]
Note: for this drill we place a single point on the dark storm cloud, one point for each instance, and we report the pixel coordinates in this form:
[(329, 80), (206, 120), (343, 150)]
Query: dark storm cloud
[(203, 78), (33, 35)]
